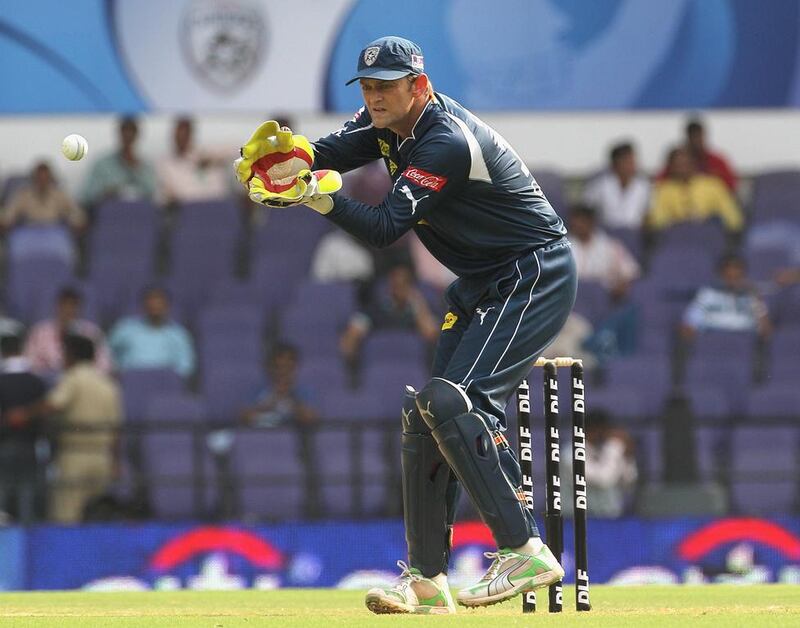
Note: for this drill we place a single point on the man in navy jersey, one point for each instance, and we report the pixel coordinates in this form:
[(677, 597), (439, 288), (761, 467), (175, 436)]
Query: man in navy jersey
[(475, 205)]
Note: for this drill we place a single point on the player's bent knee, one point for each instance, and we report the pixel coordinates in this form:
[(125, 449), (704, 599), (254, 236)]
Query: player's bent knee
[(440, 401)]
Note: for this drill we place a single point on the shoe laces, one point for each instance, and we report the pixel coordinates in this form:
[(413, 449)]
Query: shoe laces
[(497, 559), (407, 577)]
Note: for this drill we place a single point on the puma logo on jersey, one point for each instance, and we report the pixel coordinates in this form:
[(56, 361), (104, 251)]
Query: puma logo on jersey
[(407, 192), (406, 416), (483, 313)]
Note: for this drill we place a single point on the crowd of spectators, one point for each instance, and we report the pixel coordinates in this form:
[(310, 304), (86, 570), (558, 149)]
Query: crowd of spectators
[(63, 372)]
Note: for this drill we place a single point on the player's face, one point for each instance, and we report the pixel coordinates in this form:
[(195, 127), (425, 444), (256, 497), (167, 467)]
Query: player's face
[(388, 102)]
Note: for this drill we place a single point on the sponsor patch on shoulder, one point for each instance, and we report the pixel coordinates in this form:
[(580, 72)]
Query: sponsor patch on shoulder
[(449, 320), (426, 179)]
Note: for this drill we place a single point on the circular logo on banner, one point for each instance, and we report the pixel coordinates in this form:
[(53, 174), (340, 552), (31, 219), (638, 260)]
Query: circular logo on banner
[(222, 41)]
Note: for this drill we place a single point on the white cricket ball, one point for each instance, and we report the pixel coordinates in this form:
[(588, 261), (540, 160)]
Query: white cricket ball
[(74, 147)]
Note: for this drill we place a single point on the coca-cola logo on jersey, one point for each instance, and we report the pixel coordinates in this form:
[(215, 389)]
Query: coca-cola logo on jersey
[(425, 179)]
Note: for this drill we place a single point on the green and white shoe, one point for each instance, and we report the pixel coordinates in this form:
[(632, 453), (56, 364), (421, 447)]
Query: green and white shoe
[(511, 573), (414, 594)]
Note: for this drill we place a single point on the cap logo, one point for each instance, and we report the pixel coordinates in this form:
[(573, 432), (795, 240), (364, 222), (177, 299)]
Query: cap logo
[(370, 54), (416, 62)]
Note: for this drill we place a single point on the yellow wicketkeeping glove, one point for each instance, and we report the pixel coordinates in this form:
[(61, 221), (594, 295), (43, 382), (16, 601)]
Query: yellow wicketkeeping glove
[(274, 154), (309, 188)]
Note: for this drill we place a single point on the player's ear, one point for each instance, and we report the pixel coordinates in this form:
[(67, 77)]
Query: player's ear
[(420, 85)]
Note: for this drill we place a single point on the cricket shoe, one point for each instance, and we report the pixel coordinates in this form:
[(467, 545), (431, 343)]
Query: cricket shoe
[(413, 593), (511, 573)]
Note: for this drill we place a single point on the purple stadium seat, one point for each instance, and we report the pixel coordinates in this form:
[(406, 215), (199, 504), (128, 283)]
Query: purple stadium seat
[(230, 386), (592, 301), (731, 376), (126, 214), (649, 453), (774, 400), (708, 402), (712, 344), (360, 404), (224, 318), (227, 291), (764, 470), (175, 457), (763, 263), (275, 272), (391, 345), (380, 460), (681, 270), (706, 237), (210, 216), (713, 444), (269, 473), (322, 374), (775, 196), (334, 301), (198, 260), (630, 238), (648, 373), (32, 287), (624, 404), (176, 406), (387, 381), (139, 386), (244, 347), (312, 342), (333, 468), (315, 316), (303, 228)]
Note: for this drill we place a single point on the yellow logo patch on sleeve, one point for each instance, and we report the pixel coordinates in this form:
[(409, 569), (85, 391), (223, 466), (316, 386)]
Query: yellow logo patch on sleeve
[(392, 167), (449, 320), (384, 147)]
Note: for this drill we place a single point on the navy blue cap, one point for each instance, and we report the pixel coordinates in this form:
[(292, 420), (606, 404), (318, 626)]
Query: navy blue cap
[(389, 58)]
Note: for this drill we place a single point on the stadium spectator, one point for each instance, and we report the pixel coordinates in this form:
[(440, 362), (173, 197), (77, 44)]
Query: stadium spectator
[(153, 340), (400, 306), (44, 347), (42, 219), (731, 305), (20, 471), (598, 256), (10, 326), (707, 161), (687, 195), (611, 470), (122, 174), (87, 403), (283, 399), (571, 340), (340, 257), (620, 195), (189, 174)]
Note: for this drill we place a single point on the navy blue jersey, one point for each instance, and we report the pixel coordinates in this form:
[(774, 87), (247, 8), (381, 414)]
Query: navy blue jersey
[(461, 187)]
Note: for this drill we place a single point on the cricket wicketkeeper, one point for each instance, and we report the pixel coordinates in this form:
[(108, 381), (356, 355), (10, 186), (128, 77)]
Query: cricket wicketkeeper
[(473, 203)]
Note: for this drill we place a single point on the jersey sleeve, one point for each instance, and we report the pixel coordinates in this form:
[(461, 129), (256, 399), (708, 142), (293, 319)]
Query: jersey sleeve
[(437, 169), (350, 147)]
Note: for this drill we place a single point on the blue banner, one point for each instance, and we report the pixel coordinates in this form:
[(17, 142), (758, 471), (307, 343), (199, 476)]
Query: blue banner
[(12, 559), (359, 555), (212, 55)]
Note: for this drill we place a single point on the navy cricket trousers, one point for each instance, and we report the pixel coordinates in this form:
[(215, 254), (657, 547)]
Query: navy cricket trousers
[(496, 328)]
